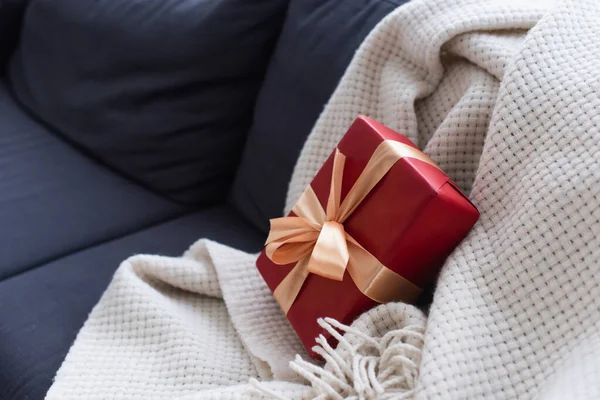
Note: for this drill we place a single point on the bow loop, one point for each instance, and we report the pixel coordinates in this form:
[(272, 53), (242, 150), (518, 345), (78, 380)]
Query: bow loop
[(313, 232), (290, 239)]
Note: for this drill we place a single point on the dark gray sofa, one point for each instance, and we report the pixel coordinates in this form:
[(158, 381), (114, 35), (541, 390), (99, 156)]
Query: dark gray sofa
[(139, 127)]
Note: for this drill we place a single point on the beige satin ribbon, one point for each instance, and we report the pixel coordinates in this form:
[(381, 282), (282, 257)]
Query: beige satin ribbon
[(316, 241)]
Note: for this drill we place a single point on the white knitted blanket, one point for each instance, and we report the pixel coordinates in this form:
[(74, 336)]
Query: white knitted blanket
[(504, 96)]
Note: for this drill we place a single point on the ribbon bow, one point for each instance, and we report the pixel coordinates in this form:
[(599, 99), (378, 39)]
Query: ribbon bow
[(315, 239)]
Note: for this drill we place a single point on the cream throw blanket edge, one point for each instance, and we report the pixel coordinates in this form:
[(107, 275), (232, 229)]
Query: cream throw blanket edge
[(503, 95)]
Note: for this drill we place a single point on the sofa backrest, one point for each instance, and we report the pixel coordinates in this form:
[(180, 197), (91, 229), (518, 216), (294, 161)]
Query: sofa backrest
[(318, 40), (162, 91)]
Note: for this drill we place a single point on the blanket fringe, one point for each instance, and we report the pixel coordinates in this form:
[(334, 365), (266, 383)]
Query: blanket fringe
[(362, 367)]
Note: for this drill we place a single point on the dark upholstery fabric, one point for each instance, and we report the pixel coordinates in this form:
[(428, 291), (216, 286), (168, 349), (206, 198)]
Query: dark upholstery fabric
[(42, 310), (11, 15), (54, 200), (162, 91), (318, 40)]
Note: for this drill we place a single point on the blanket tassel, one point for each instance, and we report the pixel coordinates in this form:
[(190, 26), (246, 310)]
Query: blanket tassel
[(362, 367)]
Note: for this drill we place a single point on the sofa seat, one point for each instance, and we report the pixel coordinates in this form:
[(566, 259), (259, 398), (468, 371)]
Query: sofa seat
[(41, 310), (55, 200)]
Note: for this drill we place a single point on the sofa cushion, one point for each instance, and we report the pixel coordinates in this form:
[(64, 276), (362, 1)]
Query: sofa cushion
[(42, 310), (162, 91), (318, 40), (54, 200)]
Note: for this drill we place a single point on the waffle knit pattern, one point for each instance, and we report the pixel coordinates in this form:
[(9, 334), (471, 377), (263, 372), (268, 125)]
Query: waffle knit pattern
[(504, 96)]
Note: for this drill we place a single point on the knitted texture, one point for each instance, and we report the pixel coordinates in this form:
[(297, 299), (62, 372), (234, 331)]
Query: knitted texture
[(503, 95), (162, 330), (513, 115)]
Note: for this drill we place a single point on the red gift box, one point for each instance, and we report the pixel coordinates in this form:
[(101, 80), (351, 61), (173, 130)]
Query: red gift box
[(408, 223)]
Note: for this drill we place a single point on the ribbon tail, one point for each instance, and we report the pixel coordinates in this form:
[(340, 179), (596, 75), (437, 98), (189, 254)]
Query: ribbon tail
[(375, 280), (335, 189), (288, 289)]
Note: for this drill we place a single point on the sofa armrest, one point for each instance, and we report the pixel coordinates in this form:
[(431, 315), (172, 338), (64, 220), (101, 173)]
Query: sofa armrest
[(11, 16)]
